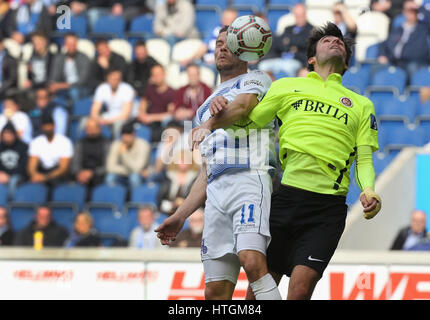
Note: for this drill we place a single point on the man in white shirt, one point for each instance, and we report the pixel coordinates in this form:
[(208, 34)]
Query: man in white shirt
[(20, 120), (143, 236), (49, 155), (118, 97)]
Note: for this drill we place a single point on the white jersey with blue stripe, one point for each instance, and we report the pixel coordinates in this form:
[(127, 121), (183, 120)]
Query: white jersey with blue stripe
[(229, 149)]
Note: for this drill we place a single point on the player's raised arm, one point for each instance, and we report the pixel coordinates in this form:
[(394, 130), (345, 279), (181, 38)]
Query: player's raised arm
[(170, 228)]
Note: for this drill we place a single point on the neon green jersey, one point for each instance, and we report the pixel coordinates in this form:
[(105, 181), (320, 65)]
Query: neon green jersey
[(323, 121)]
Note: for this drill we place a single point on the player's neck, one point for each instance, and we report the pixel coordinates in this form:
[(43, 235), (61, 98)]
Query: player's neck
[(328, 69), (228, 75)]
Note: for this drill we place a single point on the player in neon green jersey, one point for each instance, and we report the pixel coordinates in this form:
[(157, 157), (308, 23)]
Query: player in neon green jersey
[(324, 128)]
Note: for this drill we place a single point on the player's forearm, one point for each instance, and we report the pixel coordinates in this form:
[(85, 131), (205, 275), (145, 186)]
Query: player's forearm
[(237, 109), (196, 198), (364, 170)]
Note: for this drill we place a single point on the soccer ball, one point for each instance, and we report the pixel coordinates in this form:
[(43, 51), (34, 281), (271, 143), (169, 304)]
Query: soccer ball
[(249, 38)]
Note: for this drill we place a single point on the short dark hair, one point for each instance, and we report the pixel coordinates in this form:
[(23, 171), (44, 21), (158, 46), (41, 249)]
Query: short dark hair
[(140, 43), (39, 33), (113, 69), (71, 34), (330, 29), (128, 128), (223, 29)]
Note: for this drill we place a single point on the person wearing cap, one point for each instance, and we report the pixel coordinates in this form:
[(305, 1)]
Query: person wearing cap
[(127, 157), (50, 155), (13, 158)]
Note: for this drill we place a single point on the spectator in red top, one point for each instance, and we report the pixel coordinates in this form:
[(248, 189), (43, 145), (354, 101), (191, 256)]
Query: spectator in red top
[(190, 97), (157, 104)]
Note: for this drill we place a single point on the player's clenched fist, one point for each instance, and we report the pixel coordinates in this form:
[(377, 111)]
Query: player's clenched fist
[(197, 135), (371, 203), (217, 105)]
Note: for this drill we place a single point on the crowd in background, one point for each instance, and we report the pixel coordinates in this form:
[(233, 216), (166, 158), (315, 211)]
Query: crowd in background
[(37, 144)]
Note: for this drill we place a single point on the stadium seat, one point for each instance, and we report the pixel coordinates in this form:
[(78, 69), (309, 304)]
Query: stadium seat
[(160, 49), (273, 15), (21, 214), (86, 47), (123, 48), (423, 117), (390, 76), (185, 49), (356, 77), (421, 78), (146, 193), (34, 193), (364, 41), (373, 23), (109, 27), (378, 95), (112, 240), (13, 47), (64, 214), (397, 112), (107, 220), (144, 132), (318, 16), (141, 26), (320, 4), (82, 108), (4, 194), (254, 5), (353, 192), (70, 193), (398, 21), (245, 11), (78, 25), (207, 19), (284, 21), (372, 52), (405, 137), (113, 195), (222, 4), (381, 161), (290, 3)]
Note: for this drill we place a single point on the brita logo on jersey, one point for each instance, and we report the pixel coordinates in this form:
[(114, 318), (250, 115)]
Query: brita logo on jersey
[(316, 106)]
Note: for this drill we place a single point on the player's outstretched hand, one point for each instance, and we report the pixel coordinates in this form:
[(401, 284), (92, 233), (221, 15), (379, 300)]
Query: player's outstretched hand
[(169, 229), (371, 203), (197, 135), (217, 105)]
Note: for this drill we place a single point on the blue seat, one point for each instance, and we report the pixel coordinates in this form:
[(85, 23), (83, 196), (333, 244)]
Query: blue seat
[(379, 95), (256, 5), (372, 52), (82, 107), (397, 111), (273, 15), (21, 214), (353, 192), (142, 24), (398, 21), (207, 19), (112, 240), (405, 137), (144, 132), (421, 78), (423, 117), (34, 193), (70, 193), (284, 2), (76, 132), (390, 77), (4, 192), (64, 215), (146, 193), (107, 220), (245, 11), (381, 161), (109, 26), (222, 4), (356, 77), (78, 25), (110, 195)]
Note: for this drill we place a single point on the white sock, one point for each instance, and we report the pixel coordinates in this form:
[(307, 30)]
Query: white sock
[(265, 288)]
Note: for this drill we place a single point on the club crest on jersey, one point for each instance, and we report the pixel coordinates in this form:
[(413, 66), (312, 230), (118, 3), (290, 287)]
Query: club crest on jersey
[(347, 102)]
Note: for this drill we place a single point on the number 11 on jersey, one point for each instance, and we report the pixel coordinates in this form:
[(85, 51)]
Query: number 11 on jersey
[(251, 214)]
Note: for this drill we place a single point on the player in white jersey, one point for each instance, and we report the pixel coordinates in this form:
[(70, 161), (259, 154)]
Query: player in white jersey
[(235, 186)]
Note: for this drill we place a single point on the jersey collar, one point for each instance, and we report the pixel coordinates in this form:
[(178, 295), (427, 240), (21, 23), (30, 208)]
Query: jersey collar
[(334, 77)]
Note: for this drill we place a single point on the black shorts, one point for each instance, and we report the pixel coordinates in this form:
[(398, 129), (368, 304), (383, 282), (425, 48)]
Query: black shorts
[(305, 228)]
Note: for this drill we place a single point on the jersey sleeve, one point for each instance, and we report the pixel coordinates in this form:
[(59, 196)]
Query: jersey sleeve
[(257, 82), (367, 134), (266, 109)]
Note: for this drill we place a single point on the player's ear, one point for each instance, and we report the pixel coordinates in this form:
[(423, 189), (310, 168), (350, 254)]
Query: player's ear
[(311, 61)]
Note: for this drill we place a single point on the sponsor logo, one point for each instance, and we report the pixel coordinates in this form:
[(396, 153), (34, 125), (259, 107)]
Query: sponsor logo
[(373, 122), (314, 259), (316, 106), (347, 102), (253, 82)]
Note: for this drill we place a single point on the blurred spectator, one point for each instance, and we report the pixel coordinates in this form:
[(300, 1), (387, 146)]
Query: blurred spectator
[(71, 71), (404, 45), (344, 21), (45, 105), (143, 236), (139, 70), (20, 120), (391, 8), (6, 232), (191, 237), (118, 97), (50, 155), (129, 9), (190, 97), (157, 103), (288, 52), (4, 8), (413, 234), (54, 234), (180, 177), (13, 158), (88, 163), (174, 21), (127, 158), (30, 16), (8, 70), (40, 64), (83, 234), (106, 60), (302, 72), (207, 49)]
